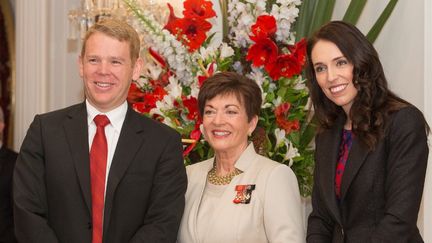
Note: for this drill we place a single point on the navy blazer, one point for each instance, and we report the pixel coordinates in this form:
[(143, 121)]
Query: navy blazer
[(144, 198), (381, 190)]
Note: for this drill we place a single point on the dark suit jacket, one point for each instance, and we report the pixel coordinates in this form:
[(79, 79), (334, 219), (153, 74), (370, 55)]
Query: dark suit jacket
[(381, 190), (7, 163), (145, 189)]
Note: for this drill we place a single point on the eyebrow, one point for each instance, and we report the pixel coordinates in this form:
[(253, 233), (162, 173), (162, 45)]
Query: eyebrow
[(334, 59), (226, 106), (110, 57)]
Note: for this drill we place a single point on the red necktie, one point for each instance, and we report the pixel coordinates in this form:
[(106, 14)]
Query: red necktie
[(98, 160)]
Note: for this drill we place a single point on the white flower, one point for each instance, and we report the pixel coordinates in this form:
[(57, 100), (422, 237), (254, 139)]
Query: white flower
[(208, 52), (291, 153), (257, 75), (280, 137), (238, 67), (174, 88), (300, 83), (226, 51), (277, 101)]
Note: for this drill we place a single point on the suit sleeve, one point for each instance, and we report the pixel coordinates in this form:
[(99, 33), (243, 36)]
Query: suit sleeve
[(406, 169), (320, 225), (167, 200), (30, 199), (283, 212)]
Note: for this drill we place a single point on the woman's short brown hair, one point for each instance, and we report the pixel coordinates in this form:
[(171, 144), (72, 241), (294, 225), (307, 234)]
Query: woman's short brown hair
[(246, 90)]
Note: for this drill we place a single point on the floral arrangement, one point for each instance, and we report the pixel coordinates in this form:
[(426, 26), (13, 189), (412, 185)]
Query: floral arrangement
[(257, 41)]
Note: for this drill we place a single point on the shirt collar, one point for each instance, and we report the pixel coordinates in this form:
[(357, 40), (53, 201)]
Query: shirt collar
[(116, 116)]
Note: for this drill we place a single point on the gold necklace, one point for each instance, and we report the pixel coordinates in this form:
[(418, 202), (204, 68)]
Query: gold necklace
[(214, 179)]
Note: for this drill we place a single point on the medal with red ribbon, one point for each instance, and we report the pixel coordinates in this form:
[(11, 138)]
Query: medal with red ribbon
[(244, 194)]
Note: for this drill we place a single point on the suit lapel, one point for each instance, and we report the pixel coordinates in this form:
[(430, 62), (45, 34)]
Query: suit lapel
[(356, 158), (130, 140), (76, 130), (2, 155), (328, 153)]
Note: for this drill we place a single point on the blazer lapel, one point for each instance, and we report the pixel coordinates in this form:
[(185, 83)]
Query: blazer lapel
[(356, 158), (76, 130), (328, 153), (196, 204), (130, 140)]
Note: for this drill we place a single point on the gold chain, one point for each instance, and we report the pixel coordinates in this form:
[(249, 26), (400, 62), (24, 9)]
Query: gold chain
[(214, 179)]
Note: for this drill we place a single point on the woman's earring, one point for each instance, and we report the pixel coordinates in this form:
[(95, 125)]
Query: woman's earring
[(201, 128)]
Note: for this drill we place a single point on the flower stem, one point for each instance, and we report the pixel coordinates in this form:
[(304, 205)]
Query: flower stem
[(224, 10)]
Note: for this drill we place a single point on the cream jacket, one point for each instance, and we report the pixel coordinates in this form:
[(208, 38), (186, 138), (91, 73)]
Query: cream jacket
[(274, 213)]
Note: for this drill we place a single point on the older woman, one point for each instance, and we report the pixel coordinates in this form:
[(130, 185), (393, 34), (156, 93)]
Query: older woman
[(371, 150), (238, 196)]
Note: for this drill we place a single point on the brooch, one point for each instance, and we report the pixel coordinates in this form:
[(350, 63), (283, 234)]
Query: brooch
[(244, 193)]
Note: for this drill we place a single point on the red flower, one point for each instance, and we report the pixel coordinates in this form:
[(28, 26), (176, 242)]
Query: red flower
[(198, 9), (195, 135), (191, 31), (281, 112), (158, 58), (171, 20), (159, 92), (148, 100), (265, 27), (191, 105), (282, 109), (135, 94), (202, 78), (262, 52), (286, 65), (139, 107), (298, 51)]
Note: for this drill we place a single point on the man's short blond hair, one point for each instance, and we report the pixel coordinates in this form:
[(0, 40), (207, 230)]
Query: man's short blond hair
[(119, 30)]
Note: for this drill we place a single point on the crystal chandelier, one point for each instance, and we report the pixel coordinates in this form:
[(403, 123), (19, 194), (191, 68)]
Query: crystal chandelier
[(92, 11)]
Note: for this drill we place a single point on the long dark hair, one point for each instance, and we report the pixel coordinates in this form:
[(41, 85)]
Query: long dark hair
[(373, 103)]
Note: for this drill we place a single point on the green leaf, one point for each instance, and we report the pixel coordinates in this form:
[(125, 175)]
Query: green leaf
[(379, 24), (208, 40), (354, 11), (328, 11), (307, 135), (322, 14), (304, 19)]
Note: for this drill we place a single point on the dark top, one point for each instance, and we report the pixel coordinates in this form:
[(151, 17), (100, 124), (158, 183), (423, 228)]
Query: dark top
[(381, 190), (7, 163)]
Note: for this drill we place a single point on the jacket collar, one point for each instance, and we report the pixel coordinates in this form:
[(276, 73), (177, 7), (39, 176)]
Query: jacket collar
[(242, 163)]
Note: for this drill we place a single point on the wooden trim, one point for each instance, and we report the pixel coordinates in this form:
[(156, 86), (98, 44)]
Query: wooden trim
[(10, 33)]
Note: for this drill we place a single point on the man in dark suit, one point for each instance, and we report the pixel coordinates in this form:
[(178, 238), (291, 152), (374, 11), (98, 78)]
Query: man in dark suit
[(7, 163), (57, 175)]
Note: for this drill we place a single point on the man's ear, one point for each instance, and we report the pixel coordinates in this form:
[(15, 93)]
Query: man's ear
[(137, 68)]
